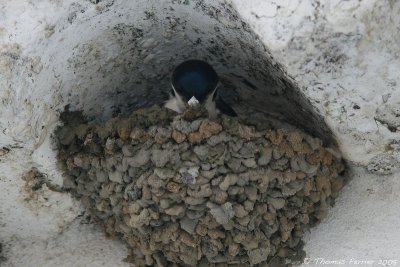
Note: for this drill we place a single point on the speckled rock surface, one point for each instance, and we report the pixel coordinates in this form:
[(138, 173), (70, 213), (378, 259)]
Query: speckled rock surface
[(204, 200)]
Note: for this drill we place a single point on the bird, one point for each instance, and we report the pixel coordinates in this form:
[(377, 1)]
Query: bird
[(195, 82)]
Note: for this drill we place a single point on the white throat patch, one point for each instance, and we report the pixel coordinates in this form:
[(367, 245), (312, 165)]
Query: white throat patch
[(193, 102)]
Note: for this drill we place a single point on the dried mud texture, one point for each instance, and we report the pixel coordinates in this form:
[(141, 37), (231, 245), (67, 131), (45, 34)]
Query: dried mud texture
[(36, 191), (36, 181), (187, 191)]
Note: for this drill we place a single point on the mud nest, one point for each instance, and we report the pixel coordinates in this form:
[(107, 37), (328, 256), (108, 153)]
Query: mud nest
[(186, 191)]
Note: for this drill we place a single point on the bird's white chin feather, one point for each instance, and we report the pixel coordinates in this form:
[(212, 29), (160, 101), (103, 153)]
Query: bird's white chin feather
[(193, 102)]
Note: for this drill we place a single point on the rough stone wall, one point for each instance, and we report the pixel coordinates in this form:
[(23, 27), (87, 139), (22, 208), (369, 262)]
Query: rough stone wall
[(186, 190)]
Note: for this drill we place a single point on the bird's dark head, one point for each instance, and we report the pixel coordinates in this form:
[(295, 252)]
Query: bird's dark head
[(194, 78)]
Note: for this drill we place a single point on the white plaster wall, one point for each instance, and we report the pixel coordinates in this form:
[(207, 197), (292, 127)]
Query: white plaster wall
[(342, 53)]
